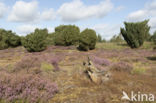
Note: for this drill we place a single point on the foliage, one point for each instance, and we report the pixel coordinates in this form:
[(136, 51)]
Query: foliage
[(28, 62), (66, 35), (50, 39), (135, 33), (87, 40), (117, 38), (104, 40), (99, 38), (153, 37), (8, 39), (100, 63), (36, 42), (122, 66), (26, 88)]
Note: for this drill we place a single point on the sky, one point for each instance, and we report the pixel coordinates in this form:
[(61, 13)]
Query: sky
[(106, 17)]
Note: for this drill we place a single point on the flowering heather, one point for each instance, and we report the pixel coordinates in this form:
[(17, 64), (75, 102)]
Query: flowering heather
[(27, 62), (54, 59), (100, 63), (122, 66), (28, 88)]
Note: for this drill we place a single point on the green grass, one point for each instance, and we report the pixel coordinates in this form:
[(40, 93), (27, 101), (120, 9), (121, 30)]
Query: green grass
[(122, 45), (109, 45)]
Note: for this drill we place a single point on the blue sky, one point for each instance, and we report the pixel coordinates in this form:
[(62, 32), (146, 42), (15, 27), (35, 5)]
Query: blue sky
[(104, 16)]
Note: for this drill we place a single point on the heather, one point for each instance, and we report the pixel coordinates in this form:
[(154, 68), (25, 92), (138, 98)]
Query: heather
[(25, 88), (57, 74)]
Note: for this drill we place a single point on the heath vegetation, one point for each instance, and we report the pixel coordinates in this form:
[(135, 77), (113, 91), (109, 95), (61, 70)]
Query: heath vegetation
[(73, 66)]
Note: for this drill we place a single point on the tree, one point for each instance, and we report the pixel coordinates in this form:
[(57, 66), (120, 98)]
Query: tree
[(117, 38), (8, 39), (135, 33), (99, 38), (66, 35), (153, 37), (36, 42), (87, 40)]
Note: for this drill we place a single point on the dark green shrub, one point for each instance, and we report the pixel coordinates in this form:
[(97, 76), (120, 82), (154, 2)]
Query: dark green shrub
[(50, 39), (36, 42), (8, 39), (87, 40), (135, 33), (66, 35)]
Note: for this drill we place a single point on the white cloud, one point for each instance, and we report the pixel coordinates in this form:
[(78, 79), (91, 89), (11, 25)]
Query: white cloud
[(26, 29), (107, 30), (148, 12), (48, 15), (77, 10), (24, 12), (3, 9), (138, 15)]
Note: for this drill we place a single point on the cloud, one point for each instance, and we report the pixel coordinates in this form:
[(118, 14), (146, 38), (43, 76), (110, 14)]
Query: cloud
[(148, 12), (138, 15), (3, 9), (77, 10), (48, 15), (107, 30), (24, 12), (26, 29)]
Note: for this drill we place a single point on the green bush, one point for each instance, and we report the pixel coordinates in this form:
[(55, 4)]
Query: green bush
[(8, 39), (99, 38), (135, 33), (153, 37), (117, 38), (36, 42), (87, 40), (66, 35), (50, 39)]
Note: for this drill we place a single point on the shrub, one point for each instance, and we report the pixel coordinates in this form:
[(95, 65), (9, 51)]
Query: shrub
[(8, 39), (50, 39), (28, 62), (117, 38), (153, 37), (25, 88), (100, 63), (135, 33), (36, 42), (122, 66), (87, 40), (66, 35), (99, 38), (54, 60)]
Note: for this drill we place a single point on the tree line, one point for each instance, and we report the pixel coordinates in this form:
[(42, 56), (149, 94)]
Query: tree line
[(66, 35)]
